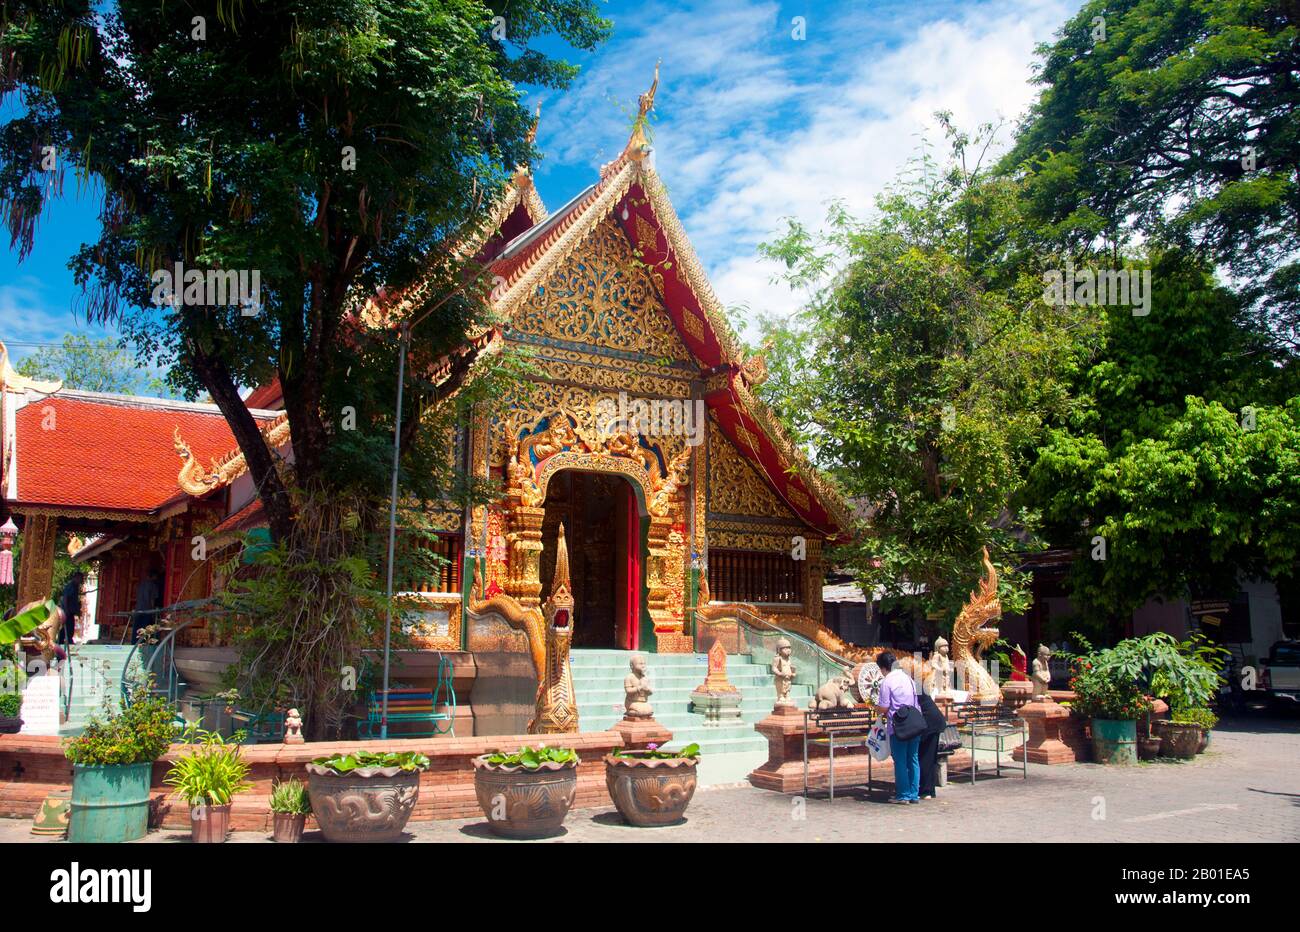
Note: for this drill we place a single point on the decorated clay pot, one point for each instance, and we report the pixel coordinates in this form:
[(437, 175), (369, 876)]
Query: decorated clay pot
[(286, 827), (1178, 739), (209, 825), (650, 791), (523, 803), (368, 804), (10, 725)]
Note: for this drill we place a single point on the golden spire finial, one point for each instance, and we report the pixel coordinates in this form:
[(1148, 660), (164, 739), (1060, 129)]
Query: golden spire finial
[(638, 147), (561, 579), (532, 130)]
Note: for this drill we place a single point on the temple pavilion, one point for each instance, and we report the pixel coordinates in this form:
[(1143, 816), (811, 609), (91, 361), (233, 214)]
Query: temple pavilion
[(664, 511)]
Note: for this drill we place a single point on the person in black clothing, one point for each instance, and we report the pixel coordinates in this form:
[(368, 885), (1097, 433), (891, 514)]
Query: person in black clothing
[(70, 602), (935, 723)]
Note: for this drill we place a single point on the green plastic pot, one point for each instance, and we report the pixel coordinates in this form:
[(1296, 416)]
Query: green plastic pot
[(110, 802), (1114, 741)]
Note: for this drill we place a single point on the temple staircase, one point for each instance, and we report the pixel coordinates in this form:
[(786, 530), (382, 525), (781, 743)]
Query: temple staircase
[(94, 679), (730, 751)]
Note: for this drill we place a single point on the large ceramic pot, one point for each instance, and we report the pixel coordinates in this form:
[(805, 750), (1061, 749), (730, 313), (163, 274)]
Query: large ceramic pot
[(649, 791), (367, 804), (286, 827), (209, 825), (10, 725), (523, 803), (1179, 739), (1114, 741), (110, 802)]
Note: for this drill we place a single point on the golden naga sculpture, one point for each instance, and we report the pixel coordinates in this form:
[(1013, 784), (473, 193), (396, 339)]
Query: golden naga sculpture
[(970, 637), (557, 706), (638, 147), (666, 488), (194, 480)]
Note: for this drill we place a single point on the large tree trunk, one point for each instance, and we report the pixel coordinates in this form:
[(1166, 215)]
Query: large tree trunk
[(257, 453)]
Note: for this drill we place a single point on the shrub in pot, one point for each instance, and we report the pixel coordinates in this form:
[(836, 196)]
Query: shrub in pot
[(112, 762), (290, 806), (654, 786), (364, 796), (1186, 733), (526, 794), (208, 778), (11, 705), (1114, 703)]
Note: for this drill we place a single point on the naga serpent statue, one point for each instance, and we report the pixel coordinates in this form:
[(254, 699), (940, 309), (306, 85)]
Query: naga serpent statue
[(549, 633), (970, 638), (557, 707)]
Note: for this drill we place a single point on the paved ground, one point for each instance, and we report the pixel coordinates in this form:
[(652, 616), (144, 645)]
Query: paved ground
[(1246, 787)]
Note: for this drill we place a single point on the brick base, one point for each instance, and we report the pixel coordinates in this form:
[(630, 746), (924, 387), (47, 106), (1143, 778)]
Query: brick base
[(1056, 735), (35, 767), (782, 772)]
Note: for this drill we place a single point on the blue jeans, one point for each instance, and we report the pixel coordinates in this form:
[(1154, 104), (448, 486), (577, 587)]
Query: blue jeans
[(907, 767)]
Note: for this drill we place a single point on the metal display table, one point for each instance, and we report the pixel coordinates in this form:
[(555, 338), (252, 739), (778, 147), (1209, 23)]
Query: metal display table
[(977, 721), (844, 728)]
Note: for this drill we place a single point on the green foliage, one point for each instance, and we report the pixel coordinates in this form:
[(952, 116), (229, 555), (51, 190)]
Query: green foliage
[(290, 796), (213, 773), (1193, 715), (91, 365), (143, 731), (11, 629), (10, 704), (532, 758), (346, 763), (923, 373), (1144, 135), (654, 752), (1101, 693), (1113, 682)]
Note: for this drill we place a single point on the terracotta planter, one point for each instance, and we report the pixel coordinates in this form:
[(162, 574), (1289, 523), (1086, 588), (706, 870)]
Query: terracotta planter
[(649, 791), (521, 803), (369, 804), (286, 827), (1179, 740), (209, 825), (1149, 747)]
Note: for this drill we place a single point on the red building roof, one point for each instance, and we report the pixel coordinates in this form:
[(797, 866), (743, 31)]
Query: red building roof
[(92, 451)]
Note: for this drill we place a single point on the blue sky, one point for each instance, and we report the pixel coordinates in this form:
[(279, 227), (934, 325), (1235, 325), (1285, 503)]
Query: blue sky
[(751, 125)]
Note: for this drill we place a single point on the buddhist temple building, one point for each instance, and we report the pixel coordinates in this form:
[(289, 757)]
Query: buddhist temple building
[(642, 436)]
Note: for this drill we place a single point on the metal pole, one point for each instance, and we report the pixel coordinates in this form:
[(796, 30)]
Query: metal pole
[(392, 529)]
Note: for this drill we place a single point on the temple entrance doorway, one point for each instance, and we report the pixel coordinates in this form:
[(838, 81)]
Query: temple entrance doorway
[(603, 531)]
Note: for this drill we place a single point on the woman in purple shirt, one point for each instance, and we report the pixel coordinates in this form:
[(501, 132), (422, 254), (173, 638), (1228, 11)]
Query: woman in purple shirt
[(898, 690)]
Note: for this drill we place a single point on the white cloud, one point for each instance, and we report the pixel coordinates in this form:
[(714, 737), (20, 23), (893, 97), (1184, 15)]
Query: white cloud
[(756, 127)]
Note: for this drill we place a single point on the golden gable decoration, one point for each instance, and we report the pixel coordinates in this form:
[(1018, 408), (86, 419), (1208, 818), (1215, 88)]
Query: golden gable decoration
[(735, 487)]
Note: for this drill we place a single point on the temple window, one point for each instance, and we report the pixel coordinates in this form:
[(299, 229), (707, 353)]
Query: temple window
[(446, 576), (753, 576)]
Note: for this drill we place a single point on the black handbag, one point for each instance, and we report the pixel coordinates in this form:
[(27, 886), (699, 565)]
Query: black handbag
[(908, 723)]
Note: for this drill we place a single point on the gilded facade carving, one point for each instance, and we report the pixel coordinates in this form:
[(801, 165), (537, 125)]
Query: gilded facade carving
[(602, 296), (735, 487)]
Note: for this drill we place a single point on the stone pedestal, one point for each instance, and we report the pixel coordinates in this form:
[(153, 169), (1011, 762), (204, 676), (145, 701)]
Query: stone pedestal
[(1055, 736), (1015, 693), (717, 708), (639, 732)]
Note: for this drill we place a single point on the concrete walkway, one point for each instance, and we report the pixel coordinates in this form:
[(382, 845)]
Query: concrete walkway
[(1246, 787)]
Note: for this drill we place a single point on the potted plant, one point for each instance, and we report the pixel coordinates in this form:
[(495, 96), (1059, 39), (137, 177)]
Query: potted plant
[(112, 763), (364, 796), (654, 786), (1114, 704), (1186, 732), (208, 778), (290, 805), (527, 793), (11, 704)]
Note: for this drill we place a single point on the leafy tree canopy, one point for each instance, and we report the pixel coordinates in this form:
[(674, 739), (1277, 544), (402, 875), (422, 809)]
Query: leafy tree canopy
[(92, 365)]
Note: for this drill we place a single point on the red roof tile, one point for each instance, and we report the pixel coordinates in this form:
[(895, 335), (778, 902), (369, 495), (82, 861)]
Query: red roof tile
[(111, 454), (250, 516)]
